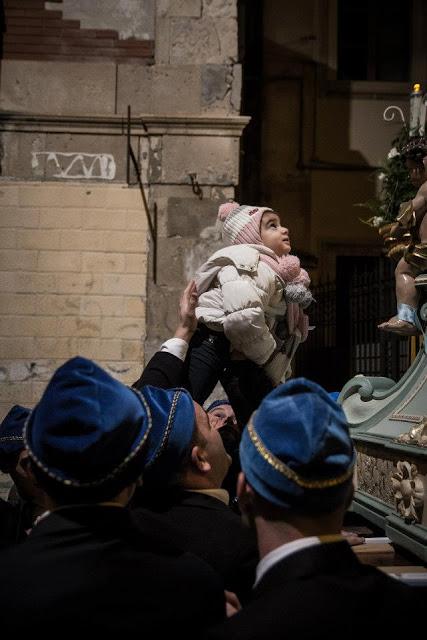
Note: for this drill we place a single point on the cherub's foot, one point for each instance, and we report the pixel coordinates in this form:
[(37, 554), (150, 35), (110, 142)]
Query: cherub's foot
[(402, 327)]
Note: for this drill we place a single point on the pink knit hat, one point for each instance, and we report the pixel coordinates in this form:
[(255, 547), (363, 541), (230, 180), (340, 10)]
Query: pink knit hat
[(241, 223)]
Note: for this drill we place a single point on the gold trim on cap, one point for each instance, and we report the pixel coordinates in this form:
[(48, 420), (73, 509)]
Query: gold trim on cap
[(169, 424), (286, 471), (11, 439)]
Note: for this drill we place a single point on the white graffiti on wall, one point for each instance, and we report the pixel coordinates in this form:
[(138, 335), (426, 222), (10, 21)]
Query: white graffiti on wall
[(76, 165)]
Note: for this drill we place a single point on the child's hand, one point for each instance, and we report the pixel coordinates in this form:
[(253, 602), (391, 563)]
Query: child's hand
[(187, 312)]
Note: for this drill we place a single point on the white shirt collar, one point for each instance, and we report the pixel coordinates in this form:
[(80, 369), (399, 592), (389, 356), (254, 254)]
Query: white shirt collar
[(281, 552), (219, 494)]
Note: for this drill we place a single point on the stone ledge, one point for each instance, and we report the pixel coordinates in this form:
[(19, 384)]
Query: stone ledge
[(117, 125)]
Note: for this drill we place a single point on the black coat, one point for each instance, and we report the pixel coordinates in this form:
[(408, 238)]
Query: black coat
[(164, 370), (11, 530), (208, 528), (90, 568), (204, 525), (167, 371), (324, 592)]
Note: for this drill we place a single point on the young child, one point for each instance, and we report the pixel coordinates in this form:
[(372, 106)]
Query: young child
[(250, 309)]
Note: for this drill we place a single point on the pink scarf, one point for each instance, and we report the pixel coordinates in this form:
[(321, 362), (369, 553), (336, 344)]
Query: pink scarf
[(289, 269)]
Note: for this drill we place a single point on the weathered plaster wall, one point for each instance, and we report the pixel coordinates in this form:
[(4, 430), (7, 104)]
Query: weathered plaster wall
[(39, 30), (131, 18), (195, 70)]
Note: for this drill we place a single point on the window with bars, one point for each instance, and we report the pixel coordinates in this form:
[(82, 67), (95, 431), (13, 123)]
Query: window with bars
[(346, 340)]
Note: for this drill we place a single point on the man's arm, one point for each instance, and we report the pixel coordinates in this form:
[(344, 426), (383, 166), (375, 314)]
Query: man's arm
[(166, 368)]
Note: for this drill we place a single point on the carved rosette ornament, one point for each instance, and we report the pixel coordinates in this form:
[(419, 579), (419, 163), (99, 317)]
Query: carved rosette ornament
[(408, 491)]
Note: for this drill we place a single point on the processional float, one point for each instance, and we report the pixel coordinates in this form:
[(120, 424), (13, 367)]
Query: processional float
[(388, 422)]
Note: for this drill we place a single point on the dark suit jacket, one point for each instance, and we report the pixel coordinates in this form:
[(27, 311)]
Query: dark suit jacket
[(203, 524), (208, 528), (90, 568), (324, 592), (10, 529), (164, 370)]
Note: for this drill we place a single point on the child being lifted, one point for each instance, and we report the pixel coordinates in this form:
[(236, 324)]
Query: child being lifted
[(250, 309)]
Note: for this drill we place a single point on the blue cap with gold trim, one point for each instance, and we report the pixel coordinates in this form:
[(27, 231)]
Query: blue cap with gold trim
[(88, 429), (296, 451), (173, 423), (11, 436)]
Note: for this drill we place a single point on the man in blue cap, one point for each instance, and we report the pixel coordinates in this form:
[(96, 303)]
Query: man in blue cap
[(17, 519), (86, 566), (184, 472), (296, 483), (222, 417), (188, 479), (11, 445)]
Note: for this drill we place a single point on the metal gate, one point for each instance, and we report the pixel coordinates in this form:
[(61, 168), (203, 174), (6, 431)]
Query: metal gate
[(345, 340)]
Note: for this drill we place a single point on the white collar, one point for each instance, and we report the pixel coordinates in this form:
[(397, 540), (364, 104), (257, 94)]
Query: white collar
[(219, 494), (281, 552)]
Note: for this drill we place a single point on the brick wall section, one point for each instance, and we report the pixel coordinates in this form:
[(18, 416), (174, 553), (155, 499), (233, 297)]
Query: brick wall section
[(34, 33), (73, 264)]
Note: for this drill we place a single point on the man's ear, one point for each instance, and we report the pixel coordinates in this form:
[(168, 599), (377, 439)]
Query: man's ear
[(23, 466), (350, 495), (244, 494), (200, 460)]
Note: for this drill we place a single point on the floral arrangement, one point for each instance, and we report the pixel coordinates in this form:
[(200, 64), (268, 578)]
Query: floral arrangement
[(393, 185)]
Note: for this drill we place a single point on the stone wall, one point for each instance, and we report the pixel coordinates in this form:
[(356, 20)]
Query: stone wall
[(73, 276), (65, 123), (196, 56), (39, 30), (195, 72), (72, 281)]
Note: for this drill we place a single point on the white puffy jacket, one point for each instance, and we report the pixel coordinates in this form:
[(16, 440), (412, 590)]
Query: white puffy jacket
[(242, 296)]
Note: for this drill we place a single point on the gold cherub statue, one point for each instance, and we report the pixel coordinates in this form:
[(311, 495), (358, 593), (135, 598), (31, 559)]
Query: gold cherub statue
[(414, 261)]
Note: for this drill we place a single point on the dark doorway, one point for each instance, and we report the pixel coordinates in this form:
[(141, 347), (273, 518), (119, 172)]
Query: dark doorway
[(251, 57), (346, 340)]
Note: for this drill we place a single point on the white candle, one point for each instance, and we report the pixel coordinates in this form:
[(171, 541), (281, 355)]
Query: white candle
[(414, 110), (423, 112)]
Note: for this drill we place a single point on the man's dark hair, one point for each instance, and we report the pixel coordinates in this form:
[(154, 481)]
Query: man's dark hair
[(310, 507), (64, 494), (8, 461)]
